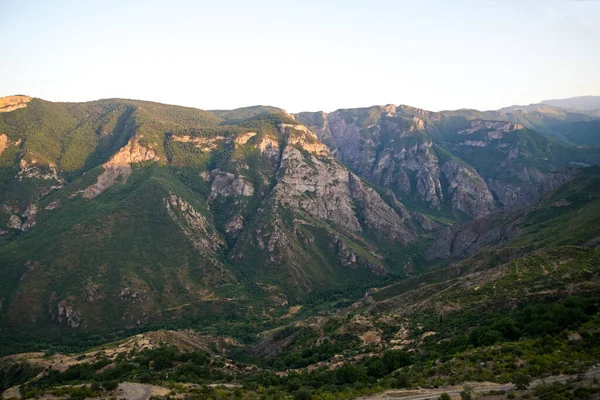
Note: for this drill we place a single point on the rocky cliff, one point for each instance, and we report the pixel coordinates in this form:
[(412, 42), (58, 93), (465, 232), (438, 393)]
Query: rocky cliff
[(442, 161)]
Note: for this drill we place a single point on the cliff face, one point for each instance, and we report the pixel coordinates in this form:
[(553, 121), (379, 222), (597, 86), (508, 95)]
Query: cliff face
[(393, 150), (445, 162), (11, 103)]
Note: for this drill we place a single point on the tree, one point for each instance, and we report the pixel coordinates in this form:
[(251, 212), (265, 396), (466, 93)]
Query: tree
[(303, 394), (467, 393), (444, 396), (377, 368), (521, 380), (350, 373)]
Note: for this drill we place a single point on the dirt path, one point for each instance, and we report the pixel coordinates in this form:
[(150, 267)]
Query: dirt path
[(478, 387)]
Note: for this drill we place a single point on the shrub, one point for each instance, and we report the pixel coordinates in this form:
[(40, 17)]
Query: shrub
[(110, 385), (521, 380), (303, 394), (467, 393)]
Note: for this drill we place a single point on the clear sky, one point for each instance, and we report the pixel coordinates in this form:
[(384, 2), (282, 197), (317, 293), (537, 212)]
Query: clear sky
[(302, 55)]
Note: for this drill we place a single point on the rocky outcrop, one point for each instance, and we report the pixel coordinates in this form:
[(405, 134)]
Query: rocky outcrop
[(193, 224), (3, 143), (424, 222), (461, 241), (66, 313), (14, 222), (349, 258), (36, 169), (29, 217), (244, 137), (304, 138), (394, 153), (517, 196), (313, 181), (11, 103), (53, 205), (119, 166), (235, 225), (468, 190), (316, 186), (379, 218), (495, 129), (23, 222), (269, 147), (226, 184)]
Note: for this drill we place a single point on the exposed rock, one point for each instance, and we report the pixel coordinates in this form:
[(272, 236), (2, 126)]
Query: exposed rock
[(461, 241), (93, 292), (468, 190), (203, 143), (496, 129), (318, 187), (11, 103), (120, 166), (226, 184), (193, 224), (515, 196), (317, 184), (68, 314), (205, 175), (349, 258), (53, 205), (429, 188), (269, 147), (474, 143), (412, 167), (131, 295), (243, 138), (235, 225), (378, 216), (15, 222), (29, 217), (385, 164), (424, 222), (307, 140), (35, 169), (3, 143)]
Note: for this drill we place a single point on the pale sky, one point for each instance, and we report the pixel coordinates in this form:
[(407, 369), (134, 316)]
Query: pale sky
[(302, 55)]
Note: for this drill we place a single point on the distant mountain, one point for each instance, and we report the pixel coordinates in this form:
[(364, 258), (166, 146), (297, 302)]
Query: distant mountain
[(566, 125), (581, 103)]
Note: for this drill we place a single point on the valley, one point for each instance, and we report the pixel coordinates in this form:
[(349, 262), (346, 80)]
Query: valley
[(379, 252)]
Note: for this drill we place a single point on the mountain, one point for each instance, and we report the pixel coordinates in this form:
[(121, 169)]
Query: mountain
[(581, 103), (449, 164), (573, 120), (545, 253), (328, 254), (123, 214)]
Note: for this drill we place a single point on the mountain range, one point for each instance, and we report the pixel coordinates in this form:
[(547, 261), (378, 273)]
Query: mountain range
[(119, 215)]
